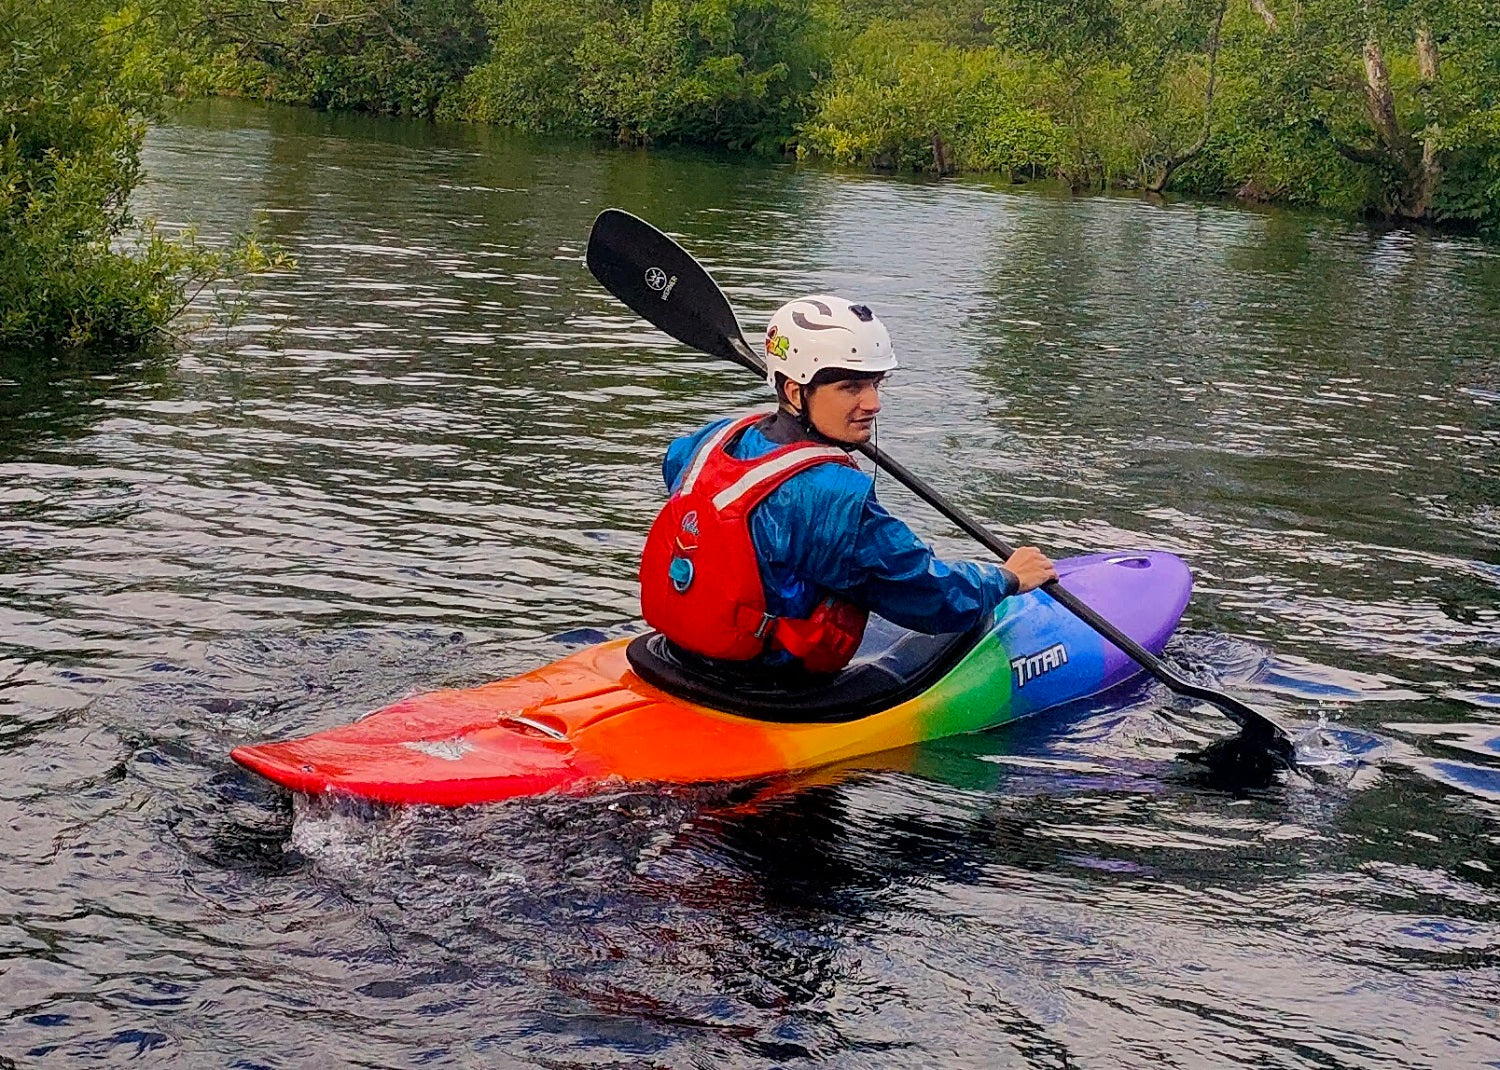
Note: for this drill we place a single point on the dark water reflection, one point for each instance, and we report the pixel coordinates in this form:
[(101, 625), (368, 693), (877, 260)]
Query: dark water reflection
[(430, 452)]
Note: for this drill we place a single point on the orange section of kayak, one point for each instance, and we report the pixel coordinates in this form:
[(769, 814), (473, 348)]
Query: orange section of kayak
[(549, 729), (564, 726)]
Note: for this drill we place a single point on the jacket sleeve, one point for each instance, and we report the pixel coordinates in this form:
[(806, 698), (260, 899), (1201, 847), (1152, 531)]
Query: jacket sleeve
[(893, 573)]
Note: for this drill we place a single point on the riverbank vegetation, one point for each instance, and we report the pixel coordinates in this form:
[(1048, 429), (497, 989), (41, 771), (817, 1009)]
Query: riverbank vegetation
[(79, 81), (1386, 108)]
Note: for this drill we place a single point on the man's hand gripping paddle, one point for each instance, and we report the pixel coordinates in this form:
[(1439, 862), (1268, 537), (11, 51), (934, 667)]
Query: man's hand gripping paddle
[(661, 281)]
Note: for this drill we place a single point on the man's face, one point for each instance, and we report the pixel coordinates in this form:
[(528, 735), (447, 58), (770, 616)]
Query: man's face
[(845, 411)]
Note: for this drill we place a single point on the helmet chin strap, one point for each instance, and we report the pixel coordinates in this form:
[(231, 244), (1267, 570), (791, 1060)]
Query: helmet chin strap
[(804, 419)]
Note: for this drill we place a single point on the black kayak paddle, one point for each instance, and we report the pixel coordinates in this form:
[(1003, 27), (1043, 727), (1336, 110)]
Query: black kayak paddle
[(661, 281)]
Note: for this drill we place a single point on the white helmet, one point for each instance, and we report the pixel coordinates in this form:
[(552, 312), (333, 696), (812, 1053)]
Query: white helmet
[(812, 333)]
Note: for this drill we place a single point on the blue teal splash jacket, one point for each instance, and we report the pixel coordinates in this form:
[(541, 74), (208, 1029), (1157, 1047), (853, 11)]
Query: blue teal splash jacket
[(823, 531)]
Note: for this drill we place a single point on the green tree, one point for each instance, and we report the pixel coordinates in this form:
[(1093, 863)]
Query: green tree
[(531, 76), (395, 56), (1407, 92), (956, 23), (79, 80), (737, 73), (901, 104), (1137, 82)]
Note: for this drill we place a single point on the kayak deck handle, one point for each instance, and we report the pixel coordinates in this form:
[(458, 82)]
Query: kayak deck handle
[(551, 731)]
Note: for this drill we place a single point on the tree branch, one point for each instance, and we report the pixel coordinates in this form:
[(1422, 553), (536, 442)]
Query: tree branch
[(1370, 157), (1172, 163)]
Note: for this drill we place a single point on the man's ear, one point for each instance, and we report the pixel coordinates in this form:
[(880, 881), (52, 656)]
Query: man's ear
[(792, 390)]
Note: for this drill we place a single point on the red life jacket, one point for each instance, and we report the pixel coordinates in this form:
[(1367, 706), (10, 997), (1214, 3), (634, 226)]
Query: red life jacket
[(700, 577)]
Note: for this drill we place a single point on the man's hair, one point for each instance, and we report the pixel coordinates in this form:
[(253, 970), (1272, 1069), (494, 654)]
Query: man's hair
[(824, 377)]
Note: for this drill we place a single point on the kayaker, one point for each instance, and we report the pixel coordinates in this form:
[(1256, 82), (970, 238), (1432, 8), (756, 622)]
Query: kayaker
[(773, 548)]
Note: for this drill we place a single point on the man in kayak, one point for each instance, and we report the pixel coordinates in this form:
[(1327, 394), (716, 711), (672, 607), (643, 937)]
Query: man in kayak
[(772, 549)]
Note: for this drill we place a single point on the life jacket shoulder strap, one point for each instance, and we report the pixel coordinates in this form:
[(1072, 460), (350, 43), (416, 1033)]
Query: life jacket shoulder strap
[(771, 471), (713, 444), (737, 485)]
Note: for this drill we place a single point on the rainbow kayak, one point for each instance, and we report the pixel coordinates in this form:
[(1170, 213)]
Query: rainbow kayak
[(633, 710)]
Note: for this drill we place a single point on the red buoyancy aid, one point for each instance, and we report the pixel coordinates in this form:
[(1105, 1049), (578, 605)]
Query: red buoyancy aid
[(700, 577)]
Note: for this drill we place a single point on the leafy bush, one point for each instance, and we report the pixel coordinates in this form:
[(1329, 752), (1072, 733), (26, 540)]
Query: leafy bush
[(904, 105), (83, 78), (530, 78), (737, 73), (1470, 193), (394, 56)]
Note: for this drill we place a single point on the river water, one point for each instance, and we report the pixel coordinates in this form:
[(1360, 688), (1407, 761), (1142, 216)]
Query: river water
[(427, 458)]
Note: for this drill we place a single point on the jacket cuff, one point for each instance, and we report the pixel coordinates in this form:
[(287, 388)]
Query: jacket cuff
[(1012, 581)]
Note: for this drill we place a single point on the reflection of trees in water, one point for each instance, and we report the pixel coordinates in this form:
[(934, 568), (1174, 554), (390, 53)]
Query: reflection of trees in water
[(1213, 297), (1275, 392), (441, 282), (44, 401)]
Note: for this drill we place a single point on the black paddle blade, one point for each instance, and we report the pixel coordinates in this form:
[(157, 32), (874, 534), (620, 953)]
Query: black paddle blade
[(661, 281), (1255, 727), (1243, 762)]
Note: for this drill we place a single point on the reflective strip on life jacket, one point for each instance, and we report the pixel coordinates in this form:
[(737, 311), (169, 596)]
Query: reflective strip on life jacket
[(771, 470)]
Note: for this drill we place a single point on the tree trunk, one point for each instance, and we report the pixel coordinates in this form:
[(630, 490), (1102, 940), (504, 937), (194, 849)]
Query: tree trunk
[(939, 155), (1430, 170), (1263, 10), (1379, 101), (1172, 163), (1427, 57)]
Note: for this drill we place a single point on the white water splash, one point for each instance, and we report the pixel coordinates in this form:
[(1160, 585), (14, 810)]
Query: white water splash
[(1325, 745)]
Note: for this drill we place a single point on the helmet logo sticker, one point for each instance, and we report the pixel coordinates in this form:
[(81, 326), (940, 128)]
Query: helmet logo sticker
[(776, 343), (808, 325)]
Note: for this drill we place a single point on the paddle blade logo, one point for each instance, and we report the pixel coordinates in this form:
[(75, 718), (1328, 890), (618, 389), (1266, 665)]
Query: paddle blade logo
[(1030, 666), (659, 281)]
